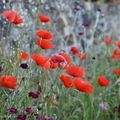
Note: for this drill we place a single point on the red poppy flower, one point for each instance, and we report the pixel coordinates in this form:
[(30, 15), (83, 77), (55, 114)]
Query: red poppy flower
[(83, 56), (57, 58), (108, 41), (44, 34), (53, 65), (23, 56), (103, 81), (117, 71), (45, 44), (13, 17), (117, 43), (67, 58), (8, 81), (38, 42), (44, 18), (46, 66), (75, 71), (83, 85), (74, 50), (66, 81), (116, 54), (41, 60)]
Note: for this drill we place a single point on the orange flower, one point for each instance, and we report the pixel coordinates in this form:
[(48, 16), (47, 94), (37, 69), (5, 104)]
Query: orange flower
[(13, 17), (117, 71), (117, 43), (108, 41), (41, 60), (75, 71), (83, 85), (67, 58), (66, 81), (44, 34), (8, 81), (45, 44), (23, 56), (103, 81), (44, 18)]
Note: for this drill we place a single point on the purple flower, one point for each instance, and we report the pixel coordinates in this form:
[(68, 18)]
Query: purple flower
[(81, 33), (86, 24), (1, 69), (28, 110), (33, 95), (76, 8), (41, 118), (103, 106), (21, 117), (24, 65), (13, 110)]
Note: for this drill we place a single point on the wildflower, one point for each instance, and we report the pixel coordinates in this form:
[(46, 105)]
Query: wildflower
[(45, 44), (53, 65), (44, 34), (13, 17), (57, 58), (83, 85), (1, 69), (117, 71), (28, 110), (38, 42), (24, 65), (33, 95), (75, 71), (41, 118), (67, 57), (81, 33), (8, 81), (103, 106), (66, 81), (86, 24), (41, 61), (21, 117), (46, 66), (23, 56), (13, 110), (117, 43), (116, 54), (44, 18), (74, 50), (76, 8), (82, 56), (103, 81), (108, 41)]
